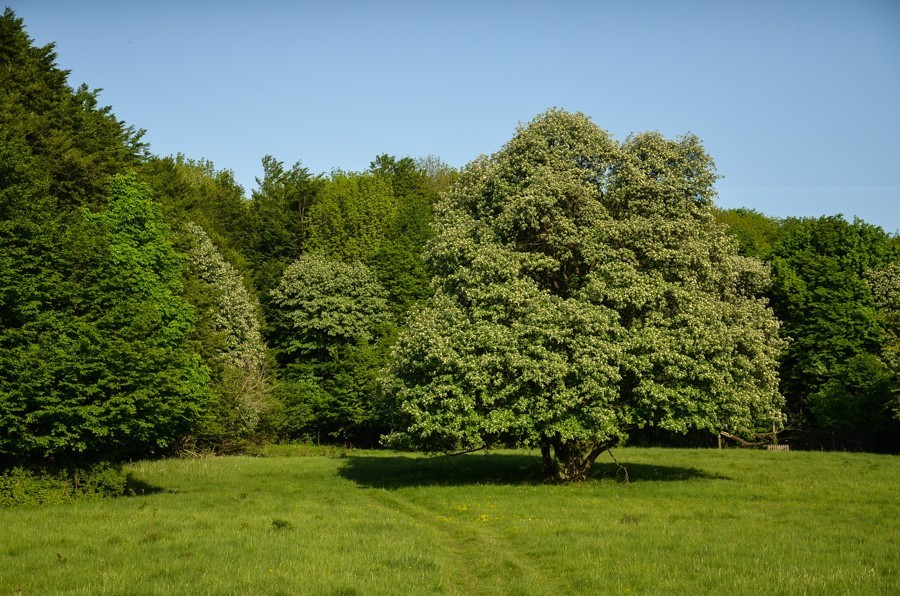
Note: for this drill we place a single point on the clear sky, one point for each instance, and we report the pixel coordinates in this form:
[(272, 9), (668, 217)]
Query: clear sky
[(798, 102)]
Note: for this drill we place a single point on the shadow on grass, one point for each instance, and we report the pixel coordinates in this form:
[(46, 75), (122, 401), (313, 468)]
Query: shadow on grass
[(135, 487), (495, 468)]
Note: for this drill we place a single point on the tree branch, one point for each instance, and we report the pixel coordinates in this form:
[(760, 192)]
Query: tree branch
[(621, 469), (738, 439), (472, 450)]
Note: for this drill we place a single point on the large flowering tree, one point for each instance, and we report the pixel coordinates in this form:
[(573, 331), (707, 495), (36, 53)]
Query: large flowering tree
[(583, 288)]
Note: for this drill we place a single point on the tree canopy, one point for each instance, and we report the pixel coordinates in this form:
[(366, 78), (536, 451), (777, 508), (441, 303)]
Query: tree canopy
[(76, 143), (329, 321), (99, 365), (583, 288), (835, 291), (570, 292)]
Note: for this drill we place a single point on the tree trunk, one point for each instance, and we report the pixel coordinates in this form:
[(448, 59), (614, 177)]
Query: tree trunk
[(550, 467), (573, 458)]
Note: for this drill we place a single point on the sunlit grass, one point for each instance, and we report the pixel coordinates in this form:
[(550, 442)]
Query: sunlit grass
[(742, 522)]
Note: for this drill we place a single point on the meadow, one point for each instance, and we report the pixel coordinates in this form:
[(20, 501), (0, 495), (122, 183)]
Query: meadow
[(293, 520)]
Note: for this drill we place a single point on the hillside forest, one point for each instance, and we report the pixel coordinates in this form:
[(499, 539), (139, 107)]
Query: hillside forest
[(568, 293)]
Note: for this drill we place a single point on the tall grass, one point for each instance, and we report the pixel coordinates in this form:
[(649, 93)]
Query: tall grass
[(743, 522)]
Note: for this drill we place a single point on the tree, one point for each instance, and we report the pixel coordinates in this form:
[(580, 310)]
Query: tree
[(839, 357), (76, 143), (440, 176), (278, 221), (856, 404), (352, 217), (583, 288), (193, 190), (95, 359), (885, 284), (755, 232), (230, 340), (398, 263), (330, 328)]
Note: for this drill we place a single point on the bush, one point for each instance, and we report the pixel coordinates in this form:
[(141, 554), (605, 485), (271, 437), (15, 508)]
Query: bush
[(856, 404), (33, 486)]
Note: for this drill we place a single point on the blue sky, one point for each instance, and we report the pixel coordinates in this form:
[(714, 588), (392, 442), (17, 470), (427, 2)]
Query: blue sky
[(798, 102)]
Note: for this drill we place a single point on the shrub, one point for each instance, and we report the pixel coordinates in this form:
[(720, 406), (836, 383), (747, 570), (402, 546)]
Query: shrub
[(33, 486)]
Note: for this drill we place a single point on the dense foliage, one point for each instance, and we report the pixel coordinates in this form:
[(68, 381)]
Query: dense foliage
[(75, 143), (569, 292), (837, 370), (836, 288), (30, 486), (756, 233), (97, 364), (331, 317), (583, 289), (230, 340)]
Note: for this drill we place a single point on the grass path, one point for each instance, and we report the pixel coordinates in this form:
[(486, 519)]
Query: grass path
[(702, 521), (473, 552)]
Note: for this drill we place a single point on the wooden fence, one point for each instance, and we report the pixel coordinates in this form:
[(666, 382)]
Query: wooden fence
[(778, 447)]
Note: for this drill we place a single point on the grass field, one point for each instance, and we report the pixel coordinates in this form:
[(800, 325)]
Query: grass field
[(323, 522)]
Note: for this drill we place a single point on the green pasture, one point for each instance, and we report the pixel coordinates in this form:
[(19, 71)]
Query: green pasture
[(306, 521)]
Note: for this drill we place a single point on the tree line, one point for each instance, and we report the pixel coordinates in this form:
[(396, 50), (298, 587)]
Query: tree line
[(836, 292), (569, 292)]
